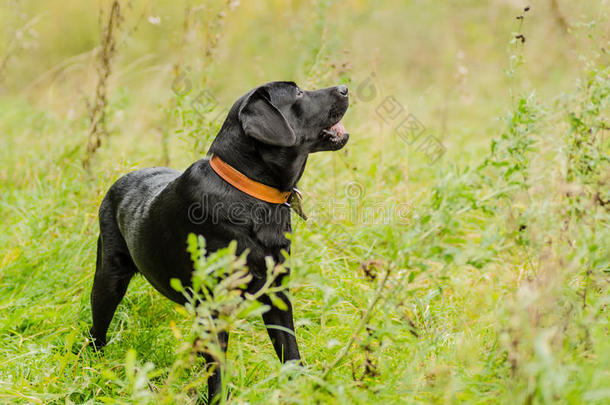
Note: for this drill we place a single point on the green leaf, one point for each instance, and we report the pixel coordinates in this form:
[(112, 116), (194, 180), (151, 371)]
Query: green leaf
[(278, 302), (176, 284)]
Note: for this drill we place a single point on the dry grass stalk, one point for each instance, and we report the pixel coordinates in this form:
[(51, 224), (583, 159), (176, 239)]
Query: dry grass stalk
[(97, 109)]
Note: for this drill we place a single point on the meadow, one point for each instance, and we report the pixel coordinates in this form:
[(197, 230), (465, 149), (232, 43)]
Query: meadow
[(456, 251)]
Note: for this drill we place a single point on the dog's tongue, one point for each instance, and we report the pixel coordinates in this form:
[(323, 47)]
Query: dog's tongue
[(338, 128)]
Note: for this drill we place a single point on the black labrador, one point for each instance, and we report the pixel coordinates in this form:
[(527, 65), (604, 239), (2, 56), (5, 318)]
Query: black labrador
[(146, 215)]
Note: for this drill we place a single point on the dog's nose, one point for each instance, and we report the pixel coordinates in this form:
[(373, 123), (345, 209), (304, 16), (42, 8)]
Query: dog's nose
[(342, 90)]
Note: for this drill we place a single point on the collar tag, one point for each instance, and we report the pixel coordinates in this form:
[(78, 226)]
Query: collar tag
[(295, 202)]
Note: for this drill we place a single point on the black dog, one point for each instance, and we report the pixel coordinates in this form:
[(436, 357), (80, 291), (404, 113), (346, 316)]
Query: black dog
[(146, 215)]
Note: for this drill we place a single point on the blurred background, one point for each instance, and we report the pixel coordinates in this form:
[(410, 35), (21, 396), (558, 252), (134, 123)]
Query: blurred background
[(445, 62)]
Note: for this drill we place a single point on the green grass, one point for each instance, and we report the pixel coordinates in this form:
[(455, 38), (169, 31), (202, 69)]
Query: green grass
[(498, 291)]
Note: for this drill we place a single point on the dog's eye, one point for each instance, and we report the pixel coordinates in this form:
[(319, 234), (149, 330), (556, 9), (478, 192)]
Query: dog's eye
[(299, 93)]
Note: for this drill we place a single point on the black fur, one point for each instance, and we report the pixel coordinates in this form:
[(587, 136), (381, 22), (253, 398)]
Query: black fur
[(146, 215)]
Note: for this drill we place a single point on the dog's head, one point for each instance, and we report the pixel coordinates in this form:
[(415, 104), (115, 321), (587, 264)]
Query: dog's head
[(281, 114)]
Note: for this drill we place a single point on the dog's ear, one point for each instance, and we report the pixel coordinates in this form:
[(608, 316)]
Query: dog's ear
[(263, 121)]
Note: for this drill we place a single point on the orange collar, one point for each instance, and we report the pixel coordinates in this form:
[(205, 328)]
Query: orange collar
[(246, 184)]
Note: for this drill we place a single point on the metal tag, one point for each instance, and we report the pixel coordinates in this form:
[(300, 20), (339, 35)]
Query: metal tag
[(295, 202)]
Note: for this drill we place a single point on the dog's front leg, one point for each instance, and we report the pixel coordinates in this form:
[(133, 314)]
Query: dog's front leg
[(280, 326), (215, 379)]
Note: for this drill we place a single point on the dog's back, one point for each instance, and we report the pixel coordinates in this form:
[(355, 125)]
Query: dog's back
[(130, 198)]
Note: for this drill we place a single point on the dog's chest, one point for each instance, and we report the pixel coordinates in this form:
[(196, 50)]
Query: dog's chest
[(271, 235)]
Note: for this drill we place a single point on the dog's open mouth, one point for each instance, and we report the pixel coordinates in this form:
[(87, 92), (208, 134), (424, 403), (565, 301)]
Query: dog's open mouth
[(337, 130), (336, 135)]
